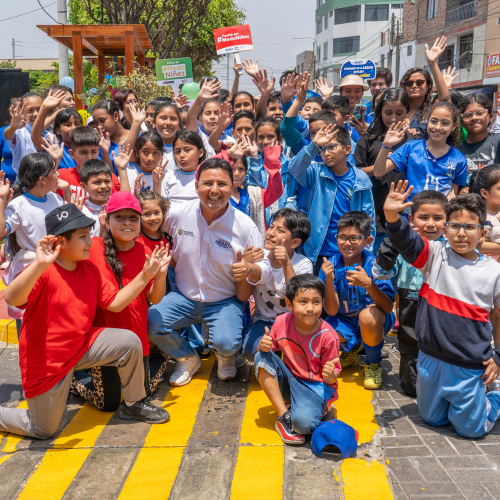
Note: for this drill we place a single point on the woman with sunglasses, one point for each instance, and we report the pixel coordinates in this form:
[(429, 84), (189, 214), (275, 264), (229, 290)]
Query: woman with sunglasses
[(418, 84)]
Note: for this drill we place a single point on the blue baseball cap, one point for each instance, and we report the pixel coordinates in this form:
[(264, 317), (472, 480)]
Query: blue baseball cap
[(335, 433)]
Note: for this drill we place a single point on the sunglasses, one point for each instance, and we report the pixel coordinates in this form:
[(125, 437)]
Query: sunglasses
[(410, 83)]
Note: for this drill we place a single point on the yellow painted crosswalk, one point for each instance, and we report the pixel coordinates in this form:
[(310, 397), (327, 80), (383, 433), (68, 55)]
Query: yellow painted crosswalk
[(259, 470)]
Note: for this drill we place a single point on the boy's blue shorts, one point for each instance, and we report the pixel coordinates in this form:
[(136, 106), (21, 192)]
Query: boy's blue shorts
[(349, 329)]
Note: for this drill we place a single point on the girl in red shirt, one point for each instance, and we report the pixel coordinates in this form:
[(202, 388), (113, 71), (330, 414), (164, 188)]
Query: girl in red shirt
[(154, 212), (119, 255)]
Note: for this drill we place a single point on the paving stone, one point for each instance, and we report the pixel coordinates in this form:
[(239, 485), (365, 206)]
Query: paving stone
[(432, 471), (465, 463), (489, 449), (391, 442), (440, 446), (404, 470), (493, 488), (488, 438), (407, 451), (431, 489), (465, 446), (400, 426), (387, 403), (475, 475), (409, 408), (15, 472), (474, 491), (399, 493), (425, 428)]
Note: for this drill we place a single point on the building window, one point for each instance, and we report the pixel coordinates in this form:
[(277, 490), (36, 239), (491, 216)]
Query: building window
[(382, 60), (319, 26), (346, 45), (409, 50), (326, 22), (302, 68), (331, 14), (465, 47), (377, 12), (325, 51), (348, 15), (432, 8), (396, 5), (318, 3), (318, 54)]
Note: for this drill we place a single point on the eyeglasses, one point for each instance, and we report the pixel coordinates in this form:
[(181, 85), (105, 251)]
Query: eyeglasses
[(443, 123), (410, 83), (351, 239), (454, 227), (480, 113), (332, 147)]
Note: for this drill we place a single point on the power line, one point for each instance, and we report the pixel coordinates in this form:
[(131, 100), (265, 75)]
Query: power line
[(40, 4), (26, 13)]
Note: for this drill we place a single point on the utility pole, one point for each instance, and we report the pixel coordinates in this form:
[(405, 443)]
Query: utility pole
[(13, 48), (227, 73), (391, 42), (62, 17), (398, 37)]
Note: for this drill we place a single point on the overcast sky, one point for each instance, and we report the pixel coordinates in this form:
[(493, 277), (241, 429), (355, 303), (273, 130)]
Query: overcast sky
[(274, 24)]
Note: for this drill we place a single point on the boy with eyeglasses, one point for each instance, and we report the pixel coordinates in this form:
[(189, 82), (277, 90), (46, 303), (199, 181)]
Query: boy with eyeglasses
[(359, 307), (334, 187), (460, 288)]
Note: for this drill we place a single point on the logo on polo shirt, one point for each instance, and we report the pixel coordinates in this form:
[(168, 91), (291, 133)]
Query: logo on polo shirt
[(183, 232), (223, 244)]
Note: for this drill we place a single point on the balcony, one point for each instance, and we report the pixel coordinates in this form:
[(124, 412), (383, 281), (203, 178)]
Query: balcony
[(465, 11)]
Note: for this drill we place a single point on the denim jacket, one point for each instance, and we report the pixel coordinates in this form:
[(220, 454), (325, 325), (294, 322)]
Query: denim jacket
[(319, 179)]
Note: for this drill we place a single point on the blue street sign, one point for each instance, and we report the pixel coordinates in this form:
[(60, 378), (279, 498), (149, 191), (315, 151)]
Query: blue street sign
[(362, 67)]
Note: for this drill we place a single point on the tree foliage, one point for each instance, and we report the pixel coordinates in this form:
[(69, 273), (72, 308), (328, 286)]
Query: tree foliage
[(177, 28)]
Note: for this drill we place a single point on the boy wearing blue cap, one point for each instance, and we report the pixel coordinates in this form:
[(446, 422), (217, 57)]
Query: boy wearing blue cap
[(307, 376)]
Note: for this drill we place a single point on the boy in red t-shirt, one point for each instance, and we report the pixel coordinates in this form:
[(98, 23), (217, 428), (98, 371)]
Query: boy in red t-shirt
[(61, 291), (307, 376)]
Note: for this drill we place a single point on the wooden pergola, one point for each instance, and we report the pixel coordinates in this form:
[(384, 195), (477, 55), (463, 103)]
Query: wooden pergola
[(100, 41)]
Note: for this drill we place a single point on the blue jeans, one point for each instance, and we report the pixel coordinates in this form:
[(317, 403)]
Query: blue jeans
[(255, 333), (175, 311), (307, 407), (449, 393)]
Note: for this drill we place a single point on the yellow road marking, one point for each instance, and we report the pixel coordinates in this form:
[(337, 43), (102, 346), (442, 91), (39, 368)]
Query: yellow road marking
[(8, 327), (182, 403), (364, 480), (13, 440), (354, 406), (153, 473), (84, 428), (54, 474), (4, 459), (258, 473), (259, 418)]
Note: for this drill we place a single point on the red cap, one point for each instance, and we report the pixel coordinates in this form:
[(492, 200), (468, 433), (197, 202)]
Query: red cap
[(121, 200)]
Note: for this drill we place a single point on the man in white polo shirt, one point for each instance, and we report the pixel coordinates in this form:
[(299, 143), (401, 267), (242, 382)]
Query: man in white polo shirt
[(209, 237)]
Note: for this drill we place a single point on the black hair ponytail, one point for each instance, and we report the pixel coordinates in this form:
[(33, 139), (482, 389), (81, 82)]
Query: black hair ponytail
[(111, 256)]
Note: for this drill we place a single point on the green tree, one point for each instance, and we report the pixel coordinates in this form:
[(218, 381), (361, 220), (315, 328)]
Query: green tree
[(8, 64), (177, 28)]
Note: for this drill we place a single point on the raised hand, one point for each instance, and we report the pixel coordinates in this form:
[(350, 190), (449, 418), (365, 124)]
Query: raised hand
[(237, 67), (18, 115), (208, 90), (124, 154), (263, 84), (325, 135), (323, 88), (47, 250), (360, 125), (62, 185), (281, 254), (253, 254), (328, 269), (240, 268), (302, 87), (165, 259), (53, 99), (153, 263), (78, 201), (328, 371), (449, 76), (436, 50), (251, 147), (52, 146), (159, 172), (395, 201), (139, 184), (225, 115), (179, 99), (266, 342), (395, 134), (251, 68), (289, 87), (102, 216), (138, 116), (4, 188), (105, 142), (358, 278), (238, 148)]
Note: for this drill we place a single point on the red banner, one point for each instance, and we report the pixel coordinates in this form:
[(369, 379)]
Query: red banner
[(233, 39)]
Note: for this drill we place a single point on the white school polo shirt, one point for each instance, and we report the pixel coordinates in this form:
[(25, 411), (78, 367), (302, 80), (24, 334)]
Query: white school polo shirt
[(133, 171), (22, 147), (205, 254), (179, 186)]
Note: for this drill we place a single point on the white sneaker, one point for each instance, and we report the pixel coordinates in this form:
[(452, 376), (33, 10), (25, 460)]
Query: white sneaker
[(184, 370), (226, 369)]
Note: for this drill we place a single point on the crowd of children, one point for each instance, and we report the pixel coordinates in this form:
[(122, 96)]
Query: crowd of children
[(291, 229)]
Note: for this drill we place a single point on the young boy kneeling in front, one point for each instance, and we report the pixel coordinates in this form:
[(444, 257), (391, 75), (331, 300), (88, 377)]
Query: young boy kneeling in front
[(307, 376), (359, 308), (461, 286), (61, 291)]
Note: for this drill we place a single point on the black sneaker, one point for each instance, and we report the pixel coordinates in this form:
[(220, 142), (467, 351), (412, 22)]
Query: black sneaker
[(144, 411)]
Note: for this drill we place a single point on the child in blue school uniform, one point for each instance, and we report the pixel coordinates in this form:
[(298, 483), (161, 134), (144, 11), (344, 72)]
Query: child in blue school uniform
[(336, 187), (428, 164), (359, 307)]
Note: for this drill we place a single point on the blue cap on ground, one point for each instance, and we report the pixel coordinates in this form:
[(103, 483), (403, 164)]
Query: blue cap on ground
[(335, 433)]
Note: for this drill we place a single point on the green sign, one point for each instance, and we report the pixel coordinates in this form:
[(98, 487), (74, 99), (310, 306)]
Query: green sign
[(174, 72)]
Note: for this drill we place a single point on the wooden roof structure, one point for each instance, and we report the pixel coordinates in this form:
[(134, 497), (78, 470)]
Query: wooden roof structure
[(101, 41)]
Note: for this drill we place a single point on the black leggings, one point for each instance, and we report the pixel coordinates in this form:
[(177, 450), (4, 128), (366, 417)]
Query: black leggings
[(102, 387)]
